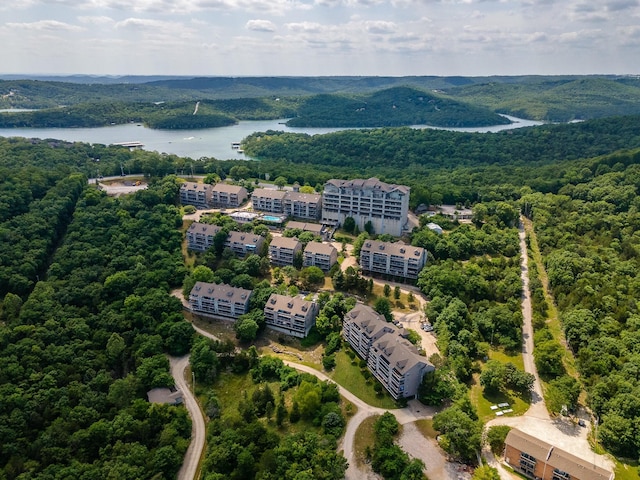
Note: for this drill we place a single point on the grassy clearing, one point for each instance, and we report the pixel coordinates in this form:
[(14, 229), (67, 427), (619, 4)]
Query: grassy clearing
[(503, 357), (349, 376), (553, 321), (625, 471), (483, 401), (425, 426), (364, 438)]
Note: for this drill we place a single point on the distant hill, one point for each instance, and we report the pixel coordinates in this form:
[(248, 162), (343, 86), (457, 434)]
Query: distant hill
[(549, 98), (557, 100), (398, 106)]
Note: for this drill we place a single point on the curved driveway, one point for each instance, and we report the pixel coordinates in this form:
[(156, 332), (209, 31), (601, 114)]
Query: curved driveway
[(198, 431)]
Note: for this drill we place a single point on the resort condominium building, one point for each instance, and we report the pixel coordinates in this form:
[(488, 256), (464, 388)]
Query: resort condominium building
[(291, 204), (243, 243), (303, 205), (225, 195), (196, 194), (268, 200), (283, 250), (392, 359), (219, 300), (397, 259), (291, 315), (385, 205), (200, 236), (321, 255)]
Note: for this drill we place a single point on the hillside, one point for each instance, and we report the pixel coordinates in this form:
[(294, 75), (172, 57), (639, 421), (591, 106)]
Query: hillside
[(398, 106), (557, 100)]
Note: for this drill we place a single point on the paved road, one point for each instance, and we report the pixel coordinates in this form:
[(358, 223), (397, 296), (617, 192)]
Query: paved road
[(412, 412), (198, 430), (536, 421), (538, 408)]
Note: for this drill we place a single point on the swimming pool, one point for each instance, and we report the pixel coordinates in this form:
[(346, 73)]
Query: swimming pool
[(271, 218)]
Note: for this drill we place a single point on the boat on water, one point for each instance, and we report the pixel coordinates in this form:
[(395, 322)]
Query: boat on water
[(235, 145)]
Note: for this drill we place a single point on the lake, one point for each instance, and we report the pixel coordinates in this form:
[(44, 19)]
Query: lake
[(210, 142)]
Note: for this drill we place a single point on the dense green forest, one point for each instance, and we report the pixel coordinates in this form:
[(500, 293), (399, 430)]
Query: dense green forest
[(391, 107), (557, 100), (320, 101), (588, 234), (79, 352)]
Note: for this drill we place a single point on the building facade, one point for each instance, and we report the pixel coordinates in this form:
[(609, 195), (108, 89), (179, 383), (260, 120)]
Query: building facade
[(385, 205), (291, 315), (392, 359), (219, 300), (224, 195), (303, 205), (268, 200), (283, 250), (242, 243), (397, 259), (537, 459), (196, 194), (200, 236), (321, 255)]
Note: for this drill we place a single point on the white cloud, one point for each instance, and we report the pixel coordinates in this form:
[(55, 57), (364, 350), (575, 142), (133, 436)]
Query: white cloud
[(46, 25), (380, 27), (260, 26), (96, 20)]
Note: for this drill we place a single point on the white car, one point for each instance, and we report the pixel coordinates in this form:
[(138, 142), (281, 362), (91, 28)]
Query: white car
[(427, 328)]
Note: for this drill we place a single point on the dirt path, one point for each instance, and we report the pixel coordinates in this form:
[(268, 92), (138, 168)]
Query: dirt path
[(538, 408)]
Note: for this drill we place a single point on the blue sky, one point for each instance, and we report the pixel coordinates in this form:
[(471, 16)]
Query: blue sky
[(320, 37)]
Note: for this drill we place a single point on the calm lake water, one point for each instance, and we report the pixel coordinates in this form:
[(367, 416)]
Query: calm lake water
[(211, 142)]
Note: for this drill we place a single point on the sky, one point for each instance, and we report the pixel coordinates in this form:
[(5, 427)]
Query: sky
[(319, 37)]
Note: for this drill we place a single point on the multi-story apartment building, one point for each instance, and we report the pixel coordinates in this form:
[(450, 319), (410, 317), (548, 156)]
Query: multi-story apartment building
[(268, 200), (200, 236), (390, 357), (242, 243), (321, 255), (291, 315), (303, 205), (196, 194), (283, 250), (219, 300), (385, 205), (225, 195), (537, 459), (292, 204), (397, 259)]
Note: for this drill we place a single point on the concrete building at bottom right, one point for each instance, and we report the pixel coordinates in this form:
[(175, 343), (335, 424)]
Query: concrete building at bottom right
[(537, 459)]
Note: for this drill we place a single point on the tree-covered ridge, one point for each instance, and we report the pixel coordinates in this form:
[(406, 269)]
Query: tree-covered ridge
[(77, 358), (392, 107), (557, 100), (401, 148), (27, 240), (588, 236)]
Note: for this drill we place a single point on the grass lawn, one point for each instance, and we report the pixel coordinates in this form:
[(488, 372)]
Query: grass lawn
[(503, 357), (364, 438), (426, 428), (401, 304), (624, 471), (349, 376), (484, 401)]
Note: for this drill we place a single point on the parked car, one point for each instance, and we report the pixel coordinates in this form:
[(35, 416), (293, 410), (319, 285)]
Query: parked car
[(427, 328)]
